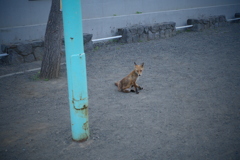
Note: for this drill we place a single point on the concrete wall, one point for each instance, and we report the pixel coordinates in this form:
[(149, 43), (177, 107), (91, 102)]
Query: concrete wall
[(105, 8), (103, 17), (24, 20)]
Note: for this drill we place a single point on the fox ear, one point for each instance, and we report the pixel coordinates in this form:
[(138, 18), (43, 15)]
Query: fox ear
[(142, 64), (135, 63)]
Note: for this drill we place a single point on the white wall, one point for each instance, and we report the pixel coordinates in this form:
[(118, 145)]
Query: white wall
[(104, 8), (103, 17), (23, 20)]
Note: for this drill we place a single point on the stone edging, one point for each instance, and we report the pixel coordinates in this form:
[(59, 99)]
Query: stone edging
[(34, 51), (211, 22), (139, 33)]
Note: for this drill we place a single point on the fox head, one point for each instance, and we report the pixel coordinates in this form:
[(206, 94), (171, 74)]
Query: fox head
[(138, 69)]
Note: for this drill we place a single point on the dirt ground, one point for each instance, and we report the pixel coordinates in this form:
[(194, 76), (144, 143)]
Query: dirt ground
[(189, 107)]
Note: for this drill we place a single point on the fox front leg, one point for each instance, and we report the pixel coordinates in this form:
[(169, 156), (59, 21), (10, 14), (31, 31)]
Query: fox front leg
[(140, 88), (136, 88)]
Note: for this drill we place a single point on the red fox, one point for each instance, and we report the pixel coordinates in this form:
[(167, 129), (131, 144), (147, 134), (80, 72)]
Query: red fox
[(130, 80)]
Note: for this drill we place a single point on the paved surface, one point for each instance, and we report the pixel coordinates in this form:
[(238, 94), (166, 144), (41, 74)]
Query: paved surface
[(189, 107)]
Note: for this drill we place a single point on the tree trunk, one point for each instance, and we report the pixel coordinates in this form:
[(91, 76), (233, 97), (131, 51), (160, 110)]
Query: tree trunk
[(53, 43)]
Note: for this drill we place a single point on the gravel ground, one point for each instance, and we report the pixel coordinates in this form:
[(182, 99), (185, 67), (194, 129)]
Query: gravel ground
[(189, 107)]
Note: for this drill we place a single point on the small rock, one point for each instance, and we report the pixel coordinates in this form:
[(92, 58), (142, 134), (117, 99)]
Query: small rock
[(140, 29), (14, 57), (25, 49), (143, 37), (134, 29), (162, 34), (87, 37), (167, 33), (155, 28), (192, 21), (163, 26), (135, 38), (173, 24), (222, 18), (146, 29), (151, 36), (29, 58), (157, 35), (38, 53)]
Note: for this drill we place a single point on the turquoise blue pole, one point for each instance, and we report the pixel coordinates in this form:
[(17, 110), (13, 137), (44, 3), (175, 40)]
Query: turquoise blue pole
[(76, 69)]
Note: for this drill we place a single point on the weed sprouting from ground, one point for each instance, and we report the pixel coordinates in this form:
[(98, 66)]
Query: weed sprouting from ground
[(139, 12), (35, 77)]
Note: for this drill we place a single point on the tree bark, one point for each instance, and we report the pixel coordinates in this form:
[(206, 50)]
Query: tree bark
[(50, 67)]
